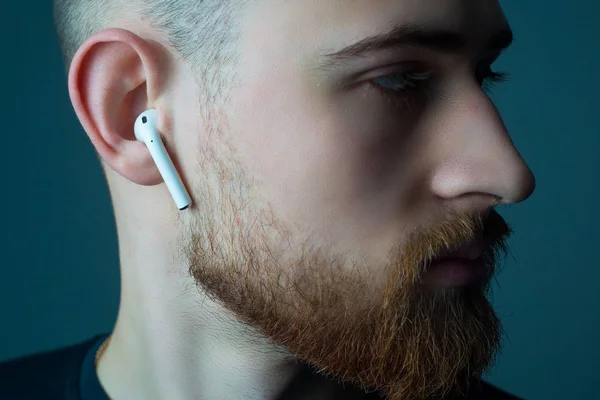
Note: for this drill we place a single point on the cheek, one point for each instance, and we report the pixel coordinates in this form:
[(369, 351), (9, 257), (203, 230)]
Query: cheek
[(190, 139), (325, 166), (288, 146), (283, 142)]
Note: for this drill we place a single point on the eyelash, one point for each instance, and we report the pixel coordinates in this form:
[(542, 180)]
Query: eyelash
[(412, 80)]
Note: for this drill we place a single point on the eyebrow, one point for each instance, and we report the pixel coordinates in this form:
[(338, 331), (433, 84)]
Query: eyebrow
[(413, 35)]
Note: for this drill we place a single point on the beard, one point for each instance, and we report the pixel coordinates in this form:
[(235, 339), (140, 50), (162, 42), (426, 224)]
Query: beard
[(375, 326)]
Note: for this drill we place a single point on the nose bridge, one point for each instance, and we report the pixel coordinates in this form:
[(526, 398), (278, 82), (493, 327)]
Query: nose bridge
[(477, 154)]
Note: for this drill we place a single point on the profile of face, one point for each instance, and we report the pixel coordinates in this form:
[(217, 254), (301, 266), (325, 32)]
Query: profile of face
[(332, 182)]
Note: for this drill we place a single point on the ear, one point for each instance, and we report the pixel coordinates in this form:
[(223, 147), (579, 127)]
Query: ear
[(114, 76)]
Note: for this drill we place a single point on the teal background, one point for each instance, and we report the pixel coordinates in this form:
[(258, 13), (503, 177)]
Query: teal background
[(60, 280)]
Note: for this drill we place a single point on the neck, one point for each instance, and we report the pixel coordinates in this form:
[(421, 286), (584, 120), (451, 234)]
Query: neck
[(171, 341)]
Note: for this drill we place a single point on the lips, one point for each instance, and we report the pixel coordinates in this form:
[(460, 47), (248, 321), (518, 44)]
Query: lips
[(459, 267)]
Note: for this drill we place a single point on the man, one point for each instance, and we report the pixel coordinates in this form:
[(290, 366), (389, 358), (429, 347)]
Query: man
[(344, 164)]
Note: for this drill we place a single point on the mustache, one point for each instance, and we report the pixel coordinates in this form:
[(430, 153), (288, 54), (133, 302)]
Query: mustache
[(457, 229)]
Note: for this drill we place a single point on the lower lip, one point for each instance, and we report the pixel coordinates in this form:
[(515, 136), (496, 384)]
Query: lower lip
[(456, 272)]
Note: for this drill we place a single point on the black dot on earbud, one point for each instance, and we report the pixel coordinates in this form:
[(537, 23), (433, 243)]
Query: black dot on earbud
[(152, 141), (144, 120)]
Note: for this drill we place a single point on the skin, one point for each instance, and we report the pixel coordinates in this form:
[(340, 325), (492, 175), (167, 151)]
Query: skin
[(302, 169)]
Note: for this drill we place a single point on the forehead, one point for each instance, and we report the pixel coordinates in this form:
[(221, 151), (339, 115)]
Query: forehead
[(305, 25)]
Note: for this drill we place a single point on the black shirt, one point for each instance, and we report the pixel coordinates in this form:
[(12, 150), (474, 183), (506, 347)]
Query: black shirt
[(69, 373)]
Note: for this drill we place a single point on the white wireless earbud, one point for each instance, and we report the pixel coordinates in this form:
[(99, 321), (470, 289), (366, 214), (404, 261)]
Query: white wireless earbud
[(145, 131)]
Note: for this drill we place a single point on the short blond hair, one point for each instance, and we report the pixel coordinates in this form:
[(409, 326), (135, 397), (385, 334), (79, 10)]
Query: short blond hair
[(202, 32)]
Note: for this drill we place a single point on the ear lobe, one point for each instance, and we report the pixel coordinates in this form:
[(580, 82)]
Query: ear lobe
[(111, 81)]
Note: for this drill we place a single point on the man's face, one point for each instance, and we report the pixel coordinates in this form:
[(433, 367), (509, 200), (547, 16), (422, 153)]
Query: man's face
[(329, 186)]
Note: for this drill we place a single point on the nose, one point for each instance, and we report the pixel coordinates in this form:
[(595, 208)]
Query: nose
[(475, 156)]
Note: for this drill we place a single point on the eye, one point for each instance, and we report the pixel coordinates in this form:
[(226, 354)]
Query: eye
[(400, 88), (403, 81), (487, 78)]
